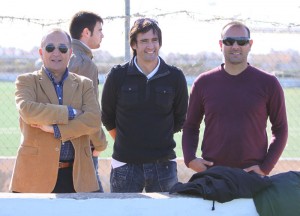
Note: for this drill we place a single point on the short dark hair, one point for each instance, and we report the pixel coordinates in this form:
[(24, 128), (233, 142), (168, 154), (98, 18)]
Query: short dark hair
[(235, 23), (82, 20), (143, 25)]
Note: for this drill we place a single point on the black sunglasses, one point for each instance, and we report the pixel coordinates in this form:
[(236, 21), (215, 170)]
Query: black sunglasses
[(241, 41), (62, 48)]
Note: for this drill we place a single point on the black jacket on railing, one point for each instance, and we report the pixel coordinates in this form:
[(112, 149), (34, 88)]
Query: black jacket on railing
[(223, 184)]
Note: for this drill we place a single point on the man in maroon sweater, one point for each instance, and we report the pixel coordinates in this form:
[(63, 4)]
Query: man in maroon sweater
[(235, 100)]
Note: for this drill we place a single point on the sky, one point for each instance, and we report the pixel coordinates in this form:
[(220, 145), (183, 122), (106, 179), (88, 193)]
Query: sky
[(188, 27)]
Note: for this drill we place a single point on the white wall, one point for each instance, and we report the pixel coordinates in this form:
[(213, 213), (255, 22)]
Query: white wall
[(144, 204)]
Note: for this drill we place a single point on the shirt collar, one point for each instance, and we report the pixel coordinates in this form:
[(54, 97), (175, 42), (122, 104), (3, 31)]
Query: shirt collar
[(152, 72), (64, 77), (86, 46)]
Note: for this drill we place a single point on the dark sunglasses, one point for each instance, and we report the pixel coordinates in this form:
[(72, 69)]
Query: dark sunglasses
[(241, 41), (62, 48)]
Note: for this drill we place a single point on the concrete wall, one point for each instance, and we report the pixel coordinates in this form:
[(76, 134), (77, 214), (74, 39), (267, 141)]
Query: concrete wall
[(121, 204), (184, 174), (134, 204)]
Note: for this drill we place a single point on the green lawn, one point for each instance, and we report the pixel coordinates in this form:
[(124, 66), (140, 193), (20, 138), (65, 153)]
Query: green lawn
[(10, 134)]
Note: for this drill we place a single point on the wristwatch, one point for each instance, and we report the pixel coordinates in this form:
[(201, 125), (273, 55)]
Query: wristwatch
[(75, 112)]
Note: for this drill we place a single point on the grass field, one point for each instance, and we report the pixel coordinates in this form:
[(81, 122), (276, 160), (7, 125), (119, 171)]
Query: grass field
[(10, 134)]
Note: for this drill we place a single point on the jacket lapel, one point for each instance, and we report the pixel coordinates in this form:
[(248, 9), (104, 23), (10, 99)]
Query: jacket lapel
[(69, 89), (47, 86)]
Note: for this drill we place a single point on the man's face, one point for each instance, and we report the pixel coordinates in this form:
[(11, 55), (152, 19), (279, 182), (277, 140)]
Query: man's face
[(55, 52), (96, 38), (147, 46), (235, 51)]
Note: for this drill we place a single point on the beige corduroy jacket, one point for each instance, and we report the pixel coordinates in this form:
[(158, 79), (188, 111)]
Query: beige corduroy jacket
[(36, 165)]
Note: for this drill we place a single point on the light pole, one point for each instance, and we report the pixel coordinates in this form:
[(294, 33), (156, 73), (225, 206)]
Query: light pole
[(127, 27)]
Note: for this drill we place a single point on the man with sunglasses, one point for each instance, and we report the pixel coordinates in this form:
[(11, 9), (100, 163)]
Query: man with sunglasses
[(86, 32), (144, 102), (235, 100), (58, 112)]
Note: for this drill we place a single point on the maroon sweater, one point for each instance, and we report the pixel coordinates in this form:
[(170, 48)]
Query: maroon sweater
[(235, 111)]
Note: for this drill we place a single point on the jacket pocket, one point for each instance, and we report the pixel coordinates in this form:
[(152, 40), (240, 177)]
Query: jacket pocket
[(164, 97), (129, 95)]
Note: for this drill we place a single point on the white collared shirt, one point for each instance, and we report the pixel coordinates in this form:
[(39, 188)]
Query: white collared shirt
[(152, 72)]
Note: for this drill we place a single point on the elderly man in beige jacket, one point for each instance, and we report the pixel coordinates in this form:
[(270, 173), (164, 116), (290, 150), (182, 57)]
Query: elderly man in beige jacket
[(58, 112)]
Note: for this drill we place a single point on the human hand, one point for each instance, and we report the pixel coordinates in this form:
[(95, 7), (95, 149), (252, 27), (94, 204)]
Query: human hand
[(255, 169), (96, 153), (199, 164), (46, 128), (78, 112), (113, 133)]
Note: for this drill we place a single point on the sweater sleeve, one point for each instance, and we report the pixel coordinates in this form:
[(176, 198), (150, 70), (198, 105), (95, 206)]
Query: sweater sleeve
[(181, 103), (191, 127), (278, 118), (109, 101)]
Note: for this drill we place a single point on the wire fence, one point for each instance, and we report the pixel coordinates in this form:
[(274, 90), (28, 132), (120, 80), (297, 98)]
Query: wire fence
[(267, 53)]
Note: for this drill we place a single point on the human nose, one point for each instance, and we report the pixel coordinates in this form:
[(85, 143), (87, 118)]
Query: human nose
[(56, 51), (235, 45), (150, 44)]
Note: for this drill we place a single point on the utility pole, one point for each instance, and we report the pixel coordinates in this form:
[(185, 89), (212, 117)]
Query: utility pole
[(127, 27)]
